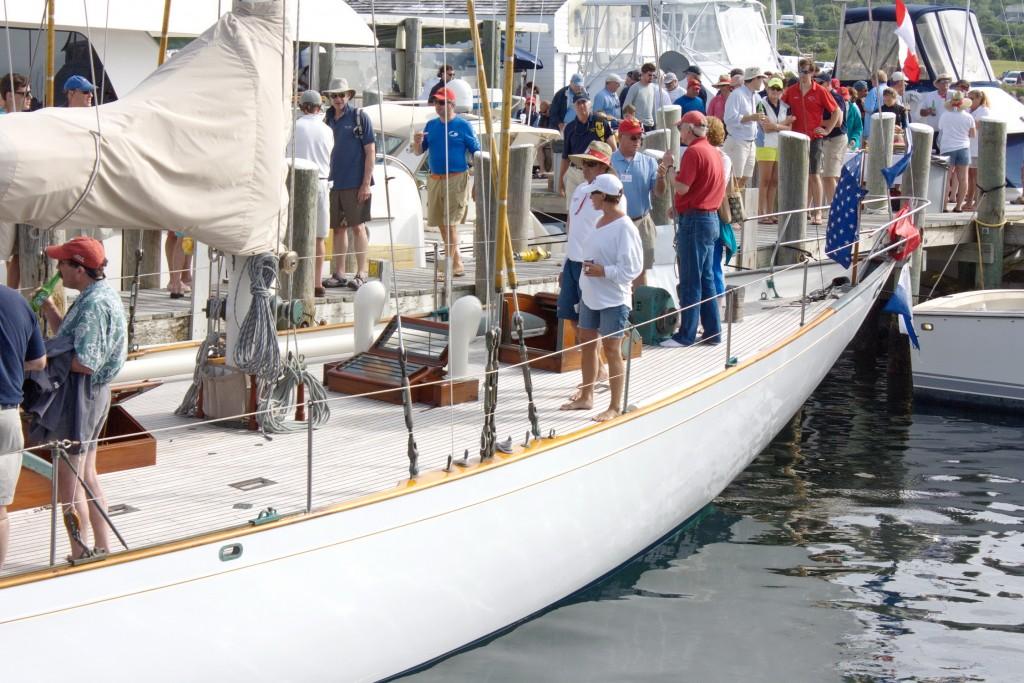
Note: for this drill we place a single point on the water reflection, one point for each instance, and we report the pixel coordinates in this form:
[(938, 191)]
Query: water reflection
[(874, 540)]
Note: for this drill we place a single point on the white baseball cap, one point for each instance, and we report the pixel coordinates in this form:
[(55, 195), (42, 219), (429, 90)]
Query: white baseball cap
[(605, 183)]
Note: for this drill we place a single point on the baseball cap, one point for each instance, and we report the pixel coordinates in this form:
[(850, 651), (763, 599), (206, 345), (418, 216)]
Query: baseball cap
[(693, 69), (614, 77), (630, 126), (669, 77), (860, 85), (445, 95), (310, 97), (693, 80), (897, 77), (605, 183), (582, 97), (775, 83), (596, 151), (577, 79), (694, 118), (78, 83), (83, 250)]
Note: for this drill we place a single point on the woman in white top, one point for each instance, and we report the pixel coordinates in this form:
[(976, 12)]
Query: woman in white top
[(979, 110), (777, 113), (613, 258), (956, 128)]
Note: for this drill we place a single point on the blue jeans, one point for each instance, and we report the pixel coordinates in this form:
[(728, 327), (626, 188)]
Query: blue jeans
[(717, 266), (696, 233)]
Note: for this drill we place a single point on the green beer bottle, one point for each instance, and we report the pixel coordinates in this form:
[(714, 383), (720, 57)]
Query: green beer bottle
[(44, 292)]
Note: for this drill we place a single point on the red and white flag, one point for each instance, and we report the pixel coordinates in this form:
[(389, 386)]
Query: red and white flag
[(908, 43)]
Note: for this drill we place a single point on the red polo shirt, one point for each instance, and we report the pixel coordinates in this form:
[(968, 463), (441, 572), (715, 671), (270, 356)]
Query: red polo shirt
[(808, 109), (701, 170)]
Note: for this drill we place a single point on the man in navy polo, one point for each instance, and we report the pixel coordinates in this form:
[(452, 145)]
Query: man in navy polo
[(352, 162), (23, 350), (578, 134)]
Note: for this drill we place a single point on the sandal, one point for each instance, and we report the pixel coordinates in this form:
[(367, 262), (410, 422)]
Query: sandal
[(335, 282), (356, 282), (319, 292)]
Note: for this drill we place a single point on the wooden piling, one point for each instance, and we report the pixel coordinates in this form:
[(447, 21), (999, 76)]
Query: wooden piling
[(915, 184), (793, 165), (883, 131), (151, 244), (520, 183), (412, 31), (991, 214), (301, 237)]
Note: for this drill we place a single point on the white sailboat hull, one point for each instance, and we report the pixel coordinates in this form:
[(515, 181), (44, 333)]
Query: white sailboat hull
[(374, 590)]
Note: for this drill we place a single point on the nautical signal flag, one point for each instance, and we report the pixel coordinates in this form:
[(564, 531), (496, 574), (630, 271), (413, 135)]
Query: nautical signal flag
[(900, 304), (844, 214), (908, 43), (896, 170)]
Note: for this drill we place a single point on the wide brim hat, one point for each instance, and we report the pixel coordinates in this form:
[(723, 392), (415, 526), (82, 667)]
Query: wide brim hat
[(723, 82), (752, 72), (339, 85), (597, 151)]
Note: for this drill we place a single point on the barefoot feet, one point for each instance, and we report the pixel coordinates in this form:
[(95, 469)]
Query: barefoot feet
[(609, 414)]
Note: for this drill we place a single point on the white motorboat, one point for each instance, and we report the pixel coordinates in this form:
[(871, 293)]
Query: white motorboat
[(970, 348)]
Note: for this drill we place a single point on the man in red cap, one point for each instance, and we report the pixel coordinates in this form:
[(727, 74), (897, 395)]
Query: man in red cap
[(450, 142), (640, 176), (95, 329), (700, 188)]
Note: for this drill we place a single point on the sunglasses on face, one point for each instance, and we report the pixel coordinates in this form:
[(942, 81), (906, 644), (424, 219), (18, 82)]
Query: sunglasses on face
[(23, 93), (635, 138), (592, 164), (337, 96), (807, 72)]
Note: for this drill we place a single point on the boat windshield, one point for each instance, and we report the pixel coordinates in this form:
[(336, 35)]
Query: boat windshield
[(946, 47)]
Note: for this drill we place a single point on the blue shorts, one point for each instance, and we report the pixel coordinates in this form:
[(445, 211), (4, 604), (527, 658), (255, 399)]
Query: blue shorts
[(609, 322), (960, 157), (569, 290)]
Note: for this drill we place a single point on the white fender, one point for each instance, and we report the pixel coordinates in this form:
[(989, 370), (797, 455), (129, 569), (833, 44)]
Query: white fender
[(465, 321), (369, 304)]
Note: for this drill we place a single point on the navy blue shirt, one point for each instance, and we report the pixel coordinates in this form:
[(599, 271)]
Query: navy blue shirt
[(349, 154), (578, 136), (20, 341), (841, 103)]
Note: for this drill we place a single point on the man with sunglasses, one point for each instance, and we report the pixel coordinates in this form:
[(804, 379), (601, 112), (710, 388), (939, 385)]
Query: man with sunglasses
[(645, 96), (808, 101), (79, 91), (450, 143), (351, 176), (95, 329), (640, 175)]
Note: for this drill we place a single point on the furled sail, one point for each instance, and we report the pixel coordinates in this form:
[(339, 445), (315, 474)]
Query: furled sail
[(198, 146)]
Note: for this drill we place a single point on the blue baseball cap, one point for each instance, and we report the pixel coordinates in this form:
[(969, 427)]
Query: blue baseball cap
[(577, 79), (78, 83)]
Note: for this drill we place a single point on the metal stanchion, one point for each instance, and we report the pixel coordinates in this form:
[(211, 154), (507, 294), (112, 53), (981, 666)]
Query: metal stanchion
[(436, 266), (629, 365), (730, 315), (53, 506), (803, 295), (309, 456)]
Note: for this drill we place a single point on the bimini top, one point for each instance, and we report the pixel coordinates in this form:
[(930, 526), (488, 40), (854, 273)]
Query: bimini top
[(948, 41)]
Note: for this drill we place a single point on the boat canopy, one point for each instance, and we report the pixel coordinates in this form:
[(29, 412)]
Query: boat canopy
[(948, 41), (321, 21), (198, 146)]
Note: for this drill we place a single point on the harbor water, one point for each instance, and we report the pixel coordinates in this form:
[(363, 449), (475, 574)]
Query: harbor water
[(878, 539)]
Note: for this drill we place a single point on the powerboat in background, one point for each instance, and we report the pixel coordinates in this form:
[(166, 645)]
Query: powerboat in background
[(970, 348)]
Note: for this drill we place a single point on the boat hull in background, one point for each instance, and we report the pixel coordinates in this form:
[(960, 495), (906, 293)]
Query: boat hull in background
[(372, 590)]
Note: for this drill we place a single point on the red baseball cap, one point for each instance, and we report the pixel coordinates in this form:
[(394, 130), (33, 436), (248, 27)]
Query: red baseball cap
[(694, 118), (445, 95), (630, 126), (83, 250)]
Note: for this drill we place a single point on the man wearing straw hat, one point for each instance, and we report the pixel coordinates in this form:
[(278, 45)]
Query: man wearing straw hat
[(351, 176)]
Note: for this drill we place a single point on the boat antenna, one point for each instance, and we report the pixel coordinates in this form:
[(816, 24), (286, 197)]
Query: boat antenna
[(412, 451)]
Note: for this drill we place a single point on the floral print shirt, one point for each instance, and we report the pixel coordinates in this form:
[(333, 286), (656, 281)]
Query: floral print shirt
[(97, 325)]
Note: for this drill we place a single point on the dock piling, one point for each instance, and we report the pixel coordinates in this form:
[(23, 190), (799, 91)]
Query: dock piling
[(301, 236), (991, 212), (916, 185), (793, 166), (883, 131)]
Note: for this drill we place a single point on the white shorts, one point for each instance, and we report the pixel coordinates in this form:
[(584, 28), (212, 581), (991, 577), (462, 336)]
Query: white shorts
[(11, 443), (742, 154), (323, 209)]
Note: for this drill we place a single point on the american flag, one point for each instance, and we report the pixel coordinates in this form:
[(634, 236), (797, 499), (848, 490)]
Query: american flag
[(844, 214)]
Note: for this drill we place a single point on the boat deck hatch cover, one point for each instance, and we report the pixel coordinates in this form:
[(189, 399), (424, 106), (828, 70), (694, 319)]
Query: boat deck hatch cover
[(252, 484)]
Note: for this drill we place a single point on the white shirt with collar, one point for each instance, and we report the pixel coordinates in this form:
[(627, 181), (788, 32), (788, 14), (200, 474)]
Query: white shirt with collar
[(741, 103)]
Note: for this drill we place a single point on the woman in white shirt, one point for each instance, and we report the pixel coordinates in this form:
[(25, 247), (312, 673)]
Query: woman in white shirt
[(613, 258), (956, 128), (979, 110), (777, 112)]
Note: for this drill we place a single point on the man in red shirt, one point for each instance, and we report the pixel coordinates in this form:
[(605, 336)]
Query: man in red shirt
[(700, 187), (808, 101)]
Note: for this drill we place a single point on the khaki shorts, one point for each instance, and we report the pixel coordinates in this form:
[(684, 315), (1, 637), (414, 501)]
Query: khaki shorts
[(648, 234), (11, 443), (447, 198), (833, 153), (741, 153), (347, 210)]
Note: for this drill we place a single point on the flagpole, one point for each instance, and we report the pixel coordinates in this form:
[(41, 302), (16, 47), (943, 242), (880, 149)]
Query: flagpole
[(967, 26)]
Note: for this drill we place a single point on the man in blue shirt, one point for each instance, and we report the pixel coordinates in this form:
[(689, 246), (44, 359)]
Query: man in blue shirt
[(584, 128), (352, 162), (23, 350), (691, 100), (449, 142), (640, 176), (607, 101)]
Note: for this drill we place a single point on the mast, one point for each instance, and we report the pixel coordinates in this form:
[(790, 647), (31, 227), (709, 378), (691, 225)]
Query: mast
[(163, 33), (51, 48)]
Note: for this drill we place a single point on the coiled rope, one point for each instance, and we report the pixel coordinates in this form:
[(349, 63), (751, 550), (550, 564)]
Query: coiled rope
[(256, 352), (277, 399)]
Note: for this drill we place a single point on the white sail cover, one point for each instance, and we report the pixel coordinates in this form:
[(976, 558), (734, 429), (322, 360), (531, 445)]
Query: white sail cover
[(198, 146)]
